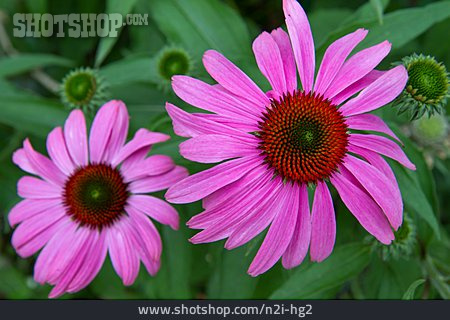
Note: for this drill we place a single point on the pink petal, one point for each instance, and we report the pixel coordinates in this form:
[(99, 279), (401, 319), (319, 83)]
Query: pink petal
[(365, 210), (232, 78), (357, 67), (56, 147), (34, 188), (200, 185), (75, 138), (32, 234), (381, 145), (104, 124), (258, 219), (334, 58), (20, 159), (268, 58), (29, 208), (146, 235), (158, 183), (75, 264), (323, 234), (136, 158), (357, 86), (141, 140), (152, 166), (221, 221), (92, 264), (123, 255), (213, 148), (287, 55), (43, 166), (302, 42), (156, 209), (384, 193), (118, 134), (189, 125), (370, 122), (212, 98), (382, 91), (298, 247), (235, 123), (280, 233)]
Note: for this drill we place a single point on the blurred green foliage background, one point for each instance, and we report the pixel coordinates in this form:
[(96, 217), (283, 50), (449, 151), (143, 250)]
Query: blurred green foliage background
[(31, 69)]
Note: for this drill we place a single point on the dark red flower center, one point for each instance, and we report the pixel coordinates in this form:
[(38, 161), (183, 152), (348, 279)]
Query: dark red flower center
[(303, 137), (95, 195)]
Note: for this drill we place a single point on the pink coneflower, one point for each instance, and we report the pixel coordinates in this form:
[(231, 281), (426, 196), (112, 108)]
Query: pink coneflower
[(288, 138), (89, 199)]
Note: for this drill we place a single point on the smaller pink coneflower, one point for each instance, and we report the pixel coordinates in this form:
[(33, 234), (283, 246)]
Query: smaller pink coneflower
[(90, 198)]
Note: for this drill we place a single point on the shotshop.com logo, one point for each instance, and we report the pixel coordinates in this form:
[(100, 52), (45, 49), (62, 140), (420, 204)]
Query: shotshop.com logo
[(74, 25)]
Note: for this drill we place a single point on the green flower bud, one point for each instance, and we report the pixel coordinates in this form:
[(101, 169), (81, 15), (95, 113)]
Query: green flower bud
[(427, 89), (173, 61), (430, 131), (84, 89)]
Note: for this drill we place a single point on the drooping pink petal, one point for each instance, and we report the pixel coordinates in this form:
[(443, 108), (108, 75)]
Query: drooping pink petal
[(268, 58), (374, 181), (155, 208), (43, 166), (382, 91), (152, 166), (188, 125), (75, 263), (160, 182), (142, 139), (279, 235), (213, 148), (357, 66), (287, 55), (146, 235), (92, 263), (75, 138), (357, 86), (57, 150), (212, 98), (34, 188), (235, 123), (133, 160), (364, 208), (200, 185), (298, 247), (29, 208), (32, 234), (221, 221), (370, 122), (323, 234), (124, 257), (118, 133), (232, 78), (334, 58), (302, 42), (381, 145), (258, 220)]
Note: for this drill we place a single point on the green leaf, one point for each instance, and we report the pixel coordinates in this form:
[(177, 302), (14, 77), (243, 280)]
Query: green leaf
[(308, 282), (378, 8), (402, 26), (409, 294), (413, 196), (199, 25), (122, 7), (138, 69), (17, 64), (31, 114)]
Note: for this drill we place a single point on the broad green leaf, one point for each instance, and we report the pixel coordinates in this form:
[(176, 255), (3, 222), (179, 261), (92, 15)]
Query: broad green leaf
[(325, 21), (409, 294), (308, 282), (199, 25), (413, 196), (20, 63), (13, 284), (378, 8), (122, 7), (138, 69), (31, 114)]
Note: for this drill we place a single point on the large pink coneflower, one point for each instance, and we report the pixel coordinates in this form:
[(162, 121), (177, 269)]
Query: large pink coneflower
[(288, 138), (90, 198)]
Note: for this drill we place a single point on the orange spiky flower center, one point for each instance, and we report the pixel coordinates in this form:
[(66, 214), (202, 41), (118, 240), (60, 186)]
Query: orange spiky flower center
[(303, 137)]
